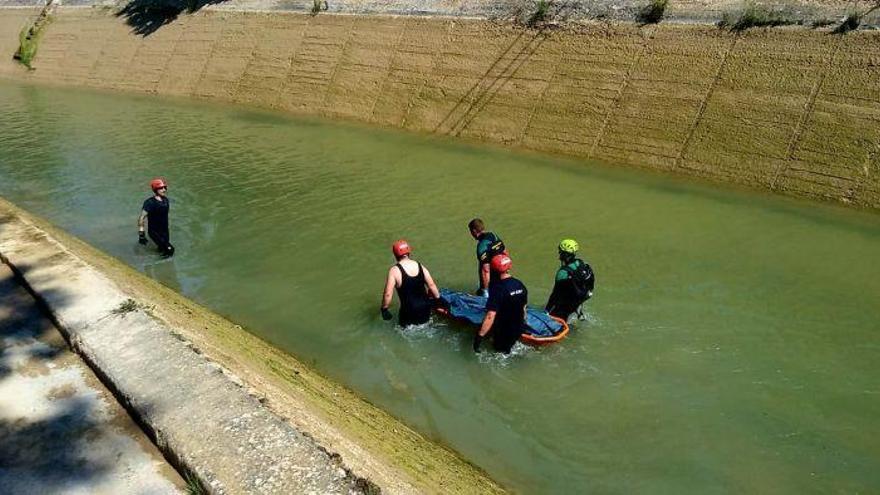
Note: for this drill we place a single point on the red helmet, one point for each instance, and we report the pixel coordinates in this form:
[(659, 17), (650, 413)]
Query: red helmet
[(400, 248), (501, 263), (158, 184)]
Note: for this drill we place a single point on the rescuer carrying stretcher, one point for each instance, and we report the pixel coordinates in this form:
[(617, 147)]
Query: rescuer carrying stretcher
[(574, 283), (417, 291)]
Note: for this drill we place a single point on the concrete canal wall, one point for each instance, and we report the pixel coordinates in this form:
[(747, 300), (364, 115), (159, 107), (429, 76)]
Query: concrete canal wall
[(793, 110), (236, 413)]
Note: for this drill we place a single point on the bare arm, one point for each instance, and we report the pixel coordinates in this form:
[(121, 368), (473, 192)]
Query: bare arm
[(141, 219), (484, 276), (432, 287), (390, 282), (488, 320)]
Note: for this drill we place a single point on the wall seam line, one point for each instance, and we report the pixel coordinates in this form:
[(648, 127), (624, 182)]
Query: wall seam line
[(171, 57), (612, 109), (403, 31), (435, 65), (704, 103), (336, 67), (290, 62), (204, 72), (806, 116)]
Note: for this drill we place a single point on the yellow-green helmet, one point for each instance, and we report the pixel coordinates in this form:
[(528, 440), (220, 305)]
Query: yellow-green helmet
[(569, 246)]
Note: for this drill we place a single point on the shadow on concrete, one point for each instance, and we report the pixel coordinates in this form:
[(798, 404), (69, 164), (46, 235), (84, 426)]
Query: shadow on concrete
[(48, 455), (147, 16), (41, 454), (21, 318)]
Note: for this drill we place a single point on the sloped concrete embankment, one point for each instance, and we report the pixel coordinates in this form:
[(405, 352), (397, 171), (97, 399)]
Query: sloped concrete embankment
[(199, 415), (792, 110)]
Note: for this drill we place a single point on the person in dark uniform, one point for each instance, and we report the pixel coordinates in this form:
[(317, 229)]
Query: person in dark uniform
[(488, 246), (417, 291), (155, 212), (505, 309), (574, 282)]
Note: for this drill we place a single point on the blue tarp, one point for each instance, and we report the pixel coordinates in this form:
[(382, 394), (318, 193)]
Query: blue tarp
[(471, 308)]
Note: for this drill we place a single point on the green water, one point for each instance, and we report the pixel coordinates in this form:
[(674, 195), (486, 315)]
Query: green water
[(732, 346)]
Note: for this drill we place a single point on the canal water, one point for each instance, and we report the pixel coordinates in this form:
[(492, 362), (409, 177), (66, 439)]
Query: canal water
[(732, 345)]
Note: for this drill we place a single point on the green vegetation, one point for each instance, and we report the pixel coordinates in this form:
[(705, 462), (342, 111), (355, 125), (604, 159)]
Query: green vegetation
[(820, 23), (652, 13), (193, 486), (541, 13), (126, 306), (755, 15), (850, 23), (29, 41), (318, 6)]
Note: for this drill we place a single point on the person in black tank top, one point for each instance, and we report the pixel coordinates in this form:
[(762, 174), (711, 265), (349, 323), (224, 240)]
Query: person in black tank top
[(417, 291)]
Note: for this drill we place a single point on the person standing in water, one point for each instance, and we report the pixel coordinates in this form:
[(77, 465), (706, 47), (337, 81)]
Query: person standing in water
[(505, 309), (489, 245), (417, 291), (155, 212), (574, 283)]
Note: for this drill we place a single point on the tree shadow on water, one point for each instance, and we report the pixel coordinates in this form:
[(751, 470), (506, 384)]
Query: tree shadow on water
[(147, 16)]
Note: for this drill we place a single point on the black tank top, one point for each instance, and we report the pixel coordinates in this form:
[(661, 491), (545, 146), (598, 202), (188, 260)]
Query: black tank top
[(412, 288)]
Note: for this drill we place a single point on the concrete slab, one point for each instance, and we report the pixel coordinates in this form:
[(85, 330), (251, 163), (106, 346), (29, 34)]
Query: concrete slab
[(195, 411), (61, 431)]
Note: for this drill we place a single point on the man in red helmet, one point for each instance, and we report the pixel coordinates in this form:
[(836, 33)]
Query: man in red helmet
[(417, 291), (155, 212), (505, 309)]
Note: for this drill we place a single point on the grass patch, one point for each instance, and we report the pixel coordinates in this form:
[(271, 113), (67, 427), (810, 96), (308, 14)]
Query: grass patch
[(125, 307), (541, 13), (29, 41), (850, 23), (193, 486), (820, 23), (754, 15), (319, 6), (652, 13)]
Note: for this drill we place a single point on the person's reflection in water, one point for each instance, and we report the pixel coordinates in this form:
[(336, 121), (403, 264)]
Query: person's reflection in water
[(164, 271)]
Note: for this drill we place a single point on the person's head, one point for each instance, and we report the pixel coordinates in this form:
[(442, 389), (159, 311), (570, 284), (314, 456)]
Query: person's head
[(568, 249), (401, 249), (159, 186), (476, 226), (501, 263)]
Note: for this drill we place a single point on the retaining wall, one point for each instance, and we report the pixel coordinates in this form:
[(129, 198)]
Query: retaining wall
[(792, 110)]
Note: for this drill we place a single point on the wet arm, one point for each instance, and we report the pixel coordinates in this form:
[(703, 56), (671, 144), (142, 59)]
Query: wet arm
[(389, 289), (488, 320), (484, 276), (141, 219), (432, 287)]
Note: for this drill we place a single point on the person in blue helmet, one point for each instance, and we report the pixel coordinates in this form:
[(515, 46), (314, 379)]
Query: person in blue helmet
[(489, 245)]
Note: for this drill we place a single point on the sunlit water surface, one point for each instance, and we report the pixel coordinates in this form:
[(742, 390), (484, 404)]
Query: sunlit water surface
[(732, 346)]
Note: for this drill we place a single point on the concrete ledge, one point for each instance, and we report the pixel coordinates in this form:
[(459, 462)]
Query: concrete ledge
[(199, 415)]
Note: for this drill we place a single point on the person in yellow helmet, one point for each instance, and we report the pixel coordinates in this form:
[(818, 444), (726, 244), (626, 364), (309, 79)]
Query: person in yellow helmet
[(574, 282)]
